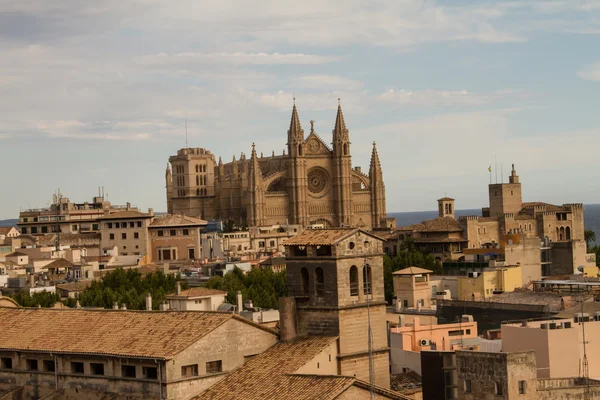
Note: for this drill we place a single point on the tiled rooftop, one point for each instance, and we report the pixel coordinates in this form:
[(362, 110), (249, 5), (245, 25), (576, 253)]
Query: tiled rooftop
[(74, 286), (176, 220), (440, 224), (58, 263), (151, 334), (324, 237), (126, 214), (413, 271)]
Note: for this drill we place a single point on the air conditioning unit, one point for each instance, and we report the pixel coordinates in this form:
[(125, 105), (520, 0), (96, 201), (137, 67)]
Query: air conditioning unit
[(424, 342)]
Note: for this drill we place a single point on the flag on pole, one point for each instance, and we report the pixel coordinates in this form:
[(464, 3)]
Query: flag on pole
[(490, 168)]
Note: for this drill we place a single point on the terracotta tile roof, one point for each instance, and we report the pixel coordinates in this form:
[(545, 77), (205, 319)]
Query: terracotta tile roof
[(4, 230), (528, 297), (412, 271), (405, 380), (176, 220), (15, 254), (441, 240), (50, 238), (440, 224), (151, 334), (125, 214), (324, 237), (197, 292), (262, 375), (78, 286), (58, 263), (446, 199)]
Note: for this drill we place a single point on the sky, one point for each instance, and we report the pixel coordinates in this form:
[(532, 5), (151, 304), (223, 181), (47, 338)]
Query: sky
[(96, 93)]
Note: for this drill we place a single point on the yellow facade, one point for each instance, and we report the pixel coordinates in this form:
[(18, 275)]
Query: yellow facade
[(483, 286)]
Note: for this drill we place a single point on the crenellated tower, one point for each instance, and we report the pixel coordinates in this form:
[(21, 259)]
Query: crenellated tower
[(378, 212), (297, 169), (342, 161)]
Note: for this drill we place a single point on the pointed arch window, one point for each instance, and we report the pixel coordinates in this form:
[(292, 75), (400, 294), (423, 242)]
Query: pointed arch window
[(319, 282), (367, 279), (345, 149), (568, 233), (353, 281), (197, 180)]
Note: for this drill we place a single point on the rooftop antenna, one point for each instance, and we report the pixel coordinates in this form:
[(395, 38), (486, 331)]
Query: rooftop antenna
[(186, 141), (502, 172), (496, 167)]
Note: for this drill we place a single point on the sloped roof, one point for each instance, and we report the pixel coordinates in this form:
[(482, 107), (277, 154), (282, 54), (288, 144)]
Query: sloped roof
[(446, 199), (324, 237), (440, 224), (197, 292), (409, 379), (58, 263), (176, 220), (151, 334), (78, 286), (271, 376), (15, 254), (5, 230), (413, 271)]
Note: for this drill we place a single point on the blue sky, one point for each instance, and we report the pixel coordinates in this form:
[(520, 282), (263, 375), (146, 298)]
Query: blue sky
[(96, 93)]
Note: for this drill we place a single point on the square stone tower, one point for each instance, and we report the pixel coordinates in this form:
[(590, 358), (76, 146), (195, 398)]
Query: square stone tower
[(506, 198), (336, 278)]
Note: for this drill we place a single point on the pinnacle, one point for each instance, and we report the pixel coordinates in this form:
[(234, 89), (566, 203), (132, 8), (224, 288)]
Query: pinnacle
[(375, 158), (340, 124), (295, 127)]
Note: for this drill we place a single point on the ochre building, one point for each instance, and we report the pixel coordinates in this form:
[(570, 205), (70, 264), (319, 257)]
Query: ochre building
[(311, 183)]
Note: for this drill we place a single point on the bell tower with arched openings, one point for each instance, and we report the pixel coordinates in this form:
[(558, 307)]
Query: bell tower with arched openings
[(335, 277)]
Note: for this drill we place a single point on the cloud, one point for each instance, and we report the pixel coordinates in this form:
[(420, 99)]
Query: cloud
[(590, 72), (237, 58), (325, 82)]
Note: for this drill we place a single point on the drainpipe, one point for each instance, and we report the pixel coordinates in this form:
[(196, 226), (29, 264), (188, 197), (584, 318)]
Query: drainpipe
[(56, 373)]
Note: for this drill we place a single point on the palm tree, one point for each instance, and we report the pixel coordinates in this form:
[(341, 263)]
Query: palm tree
[(589, 236)]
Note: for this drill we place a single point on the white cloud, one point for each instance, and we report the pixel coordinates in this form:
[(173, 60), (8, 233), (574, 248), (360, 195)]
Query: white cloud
[(590, 72), (237, 58), (326, 82)]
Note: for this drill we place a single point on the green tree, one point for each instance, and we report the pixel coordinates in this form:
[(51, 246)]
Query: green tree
[(589, 236), (596, 250), (263, 287), (129, 287), (42, 299)]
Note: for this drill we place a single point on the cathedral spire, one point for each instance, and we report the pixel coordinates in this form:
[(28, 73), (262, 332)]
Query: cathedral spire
[(221, 167), (340, 131), (295, 133), (168, 170), (375, 164)]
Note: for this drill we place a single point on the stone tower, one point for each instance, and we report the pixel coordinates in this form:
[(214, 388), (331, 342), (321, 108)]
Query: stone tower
[(342, 161), (336, 279), (297, 169), (446, 207), (378, 213), (506, 198), (169, 187)]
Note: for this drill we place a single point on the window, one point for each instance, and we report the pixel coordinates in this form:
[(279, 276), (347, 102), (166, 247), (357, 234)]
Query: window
[(139, 224), (186, 232), (25, 220), (353, 281), (128, 371), (190, 370), (77, 367), (132, 224), (522, 387), (319, 282), (44, 229), (160, 233), (214, 367), (351, 245), (111, 236), (49, 365), (150, 372), (468, 331), (498, 388), (367, 276), (33, 229), (272, 244), (304, 280), (123, 236), (172, 232), (74, 227), (136, 235), (6, 363), (467, 386), (94, 227), (32, 365), (109, 225), (456, 333), (97, 368), (24, 230)]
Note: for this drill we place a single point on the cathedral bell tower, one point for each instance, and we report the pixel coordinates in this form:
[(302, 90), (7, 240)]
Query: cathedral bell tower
[(342, 162), (334, 281), (298, 185)]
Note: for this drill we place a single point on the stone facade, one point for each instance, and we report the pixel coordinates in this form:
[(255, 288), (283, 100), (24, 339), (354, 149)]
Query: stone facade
[(311, 184), (331, 285)]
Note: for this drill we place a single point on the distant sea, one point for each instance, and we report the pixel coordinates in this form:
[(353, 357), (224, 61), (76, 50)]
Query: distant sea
[(591, 216)]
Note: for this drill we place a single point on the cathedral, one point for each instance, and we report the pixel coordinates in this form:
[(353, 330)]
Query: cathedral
[(311, 183)]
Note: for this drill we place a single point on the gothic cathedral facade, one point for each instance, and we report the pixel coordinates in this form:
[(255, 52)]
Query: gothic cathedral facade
[(312, 183)]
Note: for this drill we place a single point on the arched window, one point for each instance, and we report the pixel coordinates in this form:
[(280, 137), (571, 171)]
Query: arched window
[(530, 227), (367, 283), (345, 149), (304, 280), (568, 233), (197, 180), (197, 192), (353, 281), (450, 208), (299, 149), (562, 233), (319, 282)]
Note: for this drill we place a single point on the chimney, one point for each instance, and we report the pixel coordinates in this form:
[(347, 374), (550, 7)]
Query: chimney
[(115, 306), (287, 318), (128, 206), (148, 302), (151, 212), (123, 306), (178, 288), (240, 305), (398, 305)]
